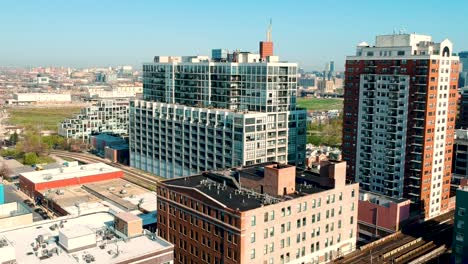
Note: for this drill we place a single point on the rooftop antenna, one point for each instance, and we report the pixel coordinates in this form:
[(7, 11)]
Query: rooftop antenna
[(269, 31)]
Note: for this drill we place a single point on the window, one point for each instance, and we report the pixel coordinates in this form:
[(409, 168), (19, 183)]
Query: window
[(252, 238), (272, 215), (459, 237), (352, 193), (252, 254), (252, 220), (271, 248), (461, 211), (461, 224)]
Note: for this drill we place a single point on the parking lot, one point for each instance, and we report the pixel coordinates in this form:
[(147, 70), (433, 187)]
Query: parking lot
[(13, 195)]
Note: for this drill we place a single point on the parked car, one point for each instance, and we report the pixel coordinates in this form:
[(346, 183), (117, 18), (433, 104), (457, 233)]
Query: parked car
[(29, 203)]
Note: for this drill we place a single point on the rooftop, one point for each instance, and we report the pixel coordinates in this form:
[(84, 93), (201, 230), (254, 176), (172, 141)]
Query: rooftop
[(118, 195), (68, 172), (380, 199), (13, 209), (237, 188), (41, 242)]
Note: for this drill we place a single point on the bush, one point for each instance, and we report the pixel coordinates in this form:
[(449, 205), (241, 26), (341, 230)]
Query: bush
[(30, 158)]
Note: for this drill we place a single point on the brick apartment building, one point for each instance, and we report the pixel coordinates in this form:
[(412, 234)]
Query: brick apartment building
[(267, 213)]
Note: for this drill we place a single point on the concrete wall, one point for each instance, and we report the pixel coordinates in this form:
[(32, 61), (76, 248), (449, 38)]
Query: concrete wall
[(19, 220)]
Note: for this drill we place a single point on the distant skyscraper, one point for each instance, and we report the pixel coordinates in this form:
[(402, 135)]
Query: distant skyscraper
[(200, 115), (462, 121), (463, 80), (399, 118), (266, 47)]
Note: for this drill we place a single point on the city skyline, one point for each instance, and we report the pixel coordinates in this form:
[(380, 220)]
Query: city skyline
[(87, 34)]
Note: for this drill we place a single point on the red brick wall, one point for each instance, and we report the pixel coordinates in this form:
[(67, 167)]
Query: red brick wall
[(387, 217)]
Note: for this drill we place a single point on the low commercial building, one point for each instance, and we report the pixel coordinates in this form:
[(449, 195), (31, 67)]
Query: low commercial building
[(101, 141), (31, 183), (14, 214), (266, 213), (116, 195), (380, 215), (92, 238), (105, 116), (118, 153), (39, 98)]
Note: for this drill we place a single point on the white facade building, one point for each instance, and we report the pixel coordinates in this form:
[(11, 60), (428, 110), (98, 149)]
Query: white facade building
[(38, 98), (195, 110), (106, 116)]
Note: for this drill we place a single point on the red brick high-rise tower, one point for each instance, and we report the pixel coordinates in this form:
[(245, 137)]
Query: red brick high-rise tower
[(399, 118)]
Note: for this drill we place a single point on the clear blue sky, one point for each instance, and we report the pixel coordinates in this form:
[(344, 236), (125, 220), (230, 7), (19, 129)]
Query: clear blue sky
[(112, 32)]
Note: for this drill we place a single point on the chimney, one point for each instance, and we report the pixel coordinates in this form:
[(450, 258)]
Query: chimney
[(334, 171), (279, 179)]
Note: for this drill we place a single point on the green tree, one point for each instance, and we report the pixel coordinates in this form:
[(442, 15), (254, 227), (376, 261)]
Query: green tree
[(54, 141), (32, 142), (30, 158), (14, 138)]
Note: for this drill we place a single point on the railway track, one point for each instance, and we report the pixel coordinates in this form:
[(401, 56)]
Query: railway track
[(408, 246), (130, 175)]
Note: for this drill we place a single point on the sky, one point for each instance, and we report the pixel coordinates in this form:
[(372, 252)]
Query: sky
[(90, 33)]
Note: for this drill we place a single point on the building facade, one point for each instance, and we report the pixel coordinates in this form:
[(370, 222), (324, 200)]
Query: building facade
[(399, 118), (460, 153), (462, 121), (267, 213), (200, 115), (105, 116), (460, 243), (380, 215), (463, 80)]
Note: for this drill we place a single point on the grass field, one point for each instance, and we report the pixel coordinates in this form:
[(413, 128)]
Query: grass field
[(319, 104), (45, 118)]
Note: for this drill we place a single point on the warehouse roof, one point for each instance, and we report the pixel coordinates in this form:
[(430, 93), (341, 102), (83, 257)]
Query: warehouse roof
[(64, 173), (21, 243)]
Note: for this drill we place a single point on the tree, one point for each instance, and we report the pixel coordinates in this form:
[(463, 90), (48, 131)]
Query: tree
[(14, 138), (30, 158), (54, 141), (5, 171), (32, 142)]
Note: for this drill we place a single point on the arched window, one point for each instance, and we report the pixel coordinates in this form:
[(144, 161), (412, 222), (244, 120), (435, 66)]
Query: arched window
[(446, 52)]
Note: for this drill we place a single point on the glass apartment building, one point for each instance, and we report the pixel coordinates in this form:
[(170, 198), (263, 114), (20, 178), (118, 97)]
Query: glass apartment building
[(203, 114)]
